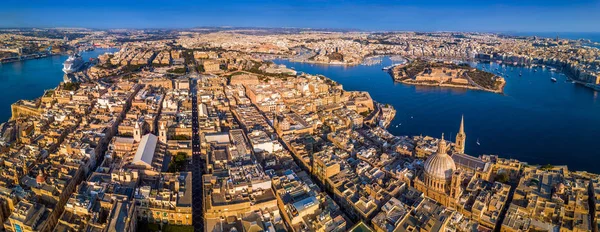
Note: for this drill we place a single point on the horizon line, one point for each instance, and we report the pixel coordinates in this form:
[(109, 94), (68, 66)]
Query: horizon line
[(297, 28)]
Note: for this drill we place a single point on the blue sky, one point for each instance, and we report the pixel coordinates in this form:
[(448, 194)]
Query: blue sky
[(413, 15)]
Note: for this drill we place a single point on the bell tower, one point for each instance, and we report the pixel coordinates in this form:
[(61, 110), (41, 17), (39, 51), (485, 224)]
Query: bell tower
[(455, 188), (137, 132), (162, 133), (461, 137)]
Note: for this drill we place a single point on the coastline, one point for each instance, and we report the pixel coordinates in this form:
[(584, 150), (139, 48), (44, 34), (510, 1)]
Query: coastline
[(406, 99), (398, 77), (31, 58), (41, 56), (501, 91), (445, 85), (419, 84), (322, 63), (291, 59), (33, 75), (390, 72)]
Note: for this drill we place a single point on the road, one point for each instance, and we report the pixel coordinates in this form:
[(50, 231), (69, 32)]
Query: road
[(197, 165), (471, 81)]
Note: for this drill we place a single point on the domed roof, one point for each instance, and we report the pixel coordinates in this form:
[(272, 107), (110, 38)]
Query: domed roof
[(440, 165)]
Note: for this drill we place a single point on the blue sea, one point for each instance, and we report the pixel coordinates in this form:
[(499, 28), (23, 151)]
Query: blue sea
[(535, 120), (29, 78)]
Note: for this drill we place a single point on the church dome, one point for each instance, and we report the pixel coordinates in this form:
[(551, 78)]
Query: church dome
[(440, 165)]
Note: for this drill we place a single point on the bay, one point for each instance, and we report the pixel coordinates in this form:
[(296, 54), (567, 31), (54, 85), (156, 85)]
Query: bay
[(535, 120), (28, 79)]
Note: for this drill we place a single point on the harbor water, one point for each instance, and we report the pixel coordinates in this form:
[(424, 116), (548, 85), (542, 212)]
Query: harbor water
[(28, 79), (536, 120)]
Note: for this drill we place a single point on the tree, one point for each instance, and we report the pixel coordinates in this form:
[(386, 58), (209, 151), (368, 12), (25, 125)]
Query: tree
[(70, 86), (178, 162), (180, 156), (180, 137), (132, 68), (177, 70), (127, 134), (502, 177)]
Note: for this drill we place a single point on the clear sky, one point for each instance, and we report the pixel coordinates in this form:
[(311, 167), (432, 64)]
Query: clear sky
[(413, 15)]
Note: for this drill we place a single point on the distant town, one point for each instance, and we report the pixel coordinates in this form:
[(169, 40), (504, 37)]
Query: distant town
[(199, 130)]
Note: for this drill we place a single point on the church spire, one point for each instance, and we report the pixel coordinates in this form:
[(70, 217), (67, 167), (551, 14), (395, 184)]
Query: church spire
[(462, 125), (461, 137)]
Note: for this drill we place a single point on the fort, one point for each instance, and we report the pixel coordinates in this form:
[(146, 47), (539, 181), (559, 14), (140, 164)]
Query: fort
[(446, 74)]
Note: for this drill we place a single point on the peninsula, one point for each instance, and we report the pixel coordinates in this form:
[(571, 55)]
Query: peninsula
[(446, 74)]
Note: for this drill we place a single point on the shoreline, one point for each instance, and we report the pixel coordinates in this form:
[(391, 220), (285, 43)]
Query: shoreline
[(31, 58), (445, 85), (528, 161), (392, 118), (471, 84), (48, 55), (291, 59), (501, 91)]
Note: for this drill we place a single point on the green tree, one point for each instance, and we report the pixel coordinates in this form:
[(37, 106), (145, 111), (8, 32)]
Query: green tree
[(178, 162), (181, 156), (180, 137), (70, 86), (177, 70), (502, 177)]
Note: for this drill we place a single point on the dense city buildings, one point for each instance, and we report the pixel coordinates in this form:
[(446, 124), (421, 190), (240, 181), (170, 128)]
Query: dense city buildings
[(201, 131)]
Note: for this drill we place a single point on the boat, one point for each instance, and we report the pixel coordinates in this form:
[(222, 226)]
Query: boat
[(553, 79), (478, 144), (520, 74), (73, 64)]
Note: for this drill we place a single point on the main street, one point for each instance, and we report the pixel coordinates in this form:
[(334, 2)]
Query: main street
[(197, 166)]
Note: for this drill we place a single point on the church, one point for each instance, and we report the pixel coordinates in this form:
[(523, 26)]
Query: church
[(443, 175), (440, 179)]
